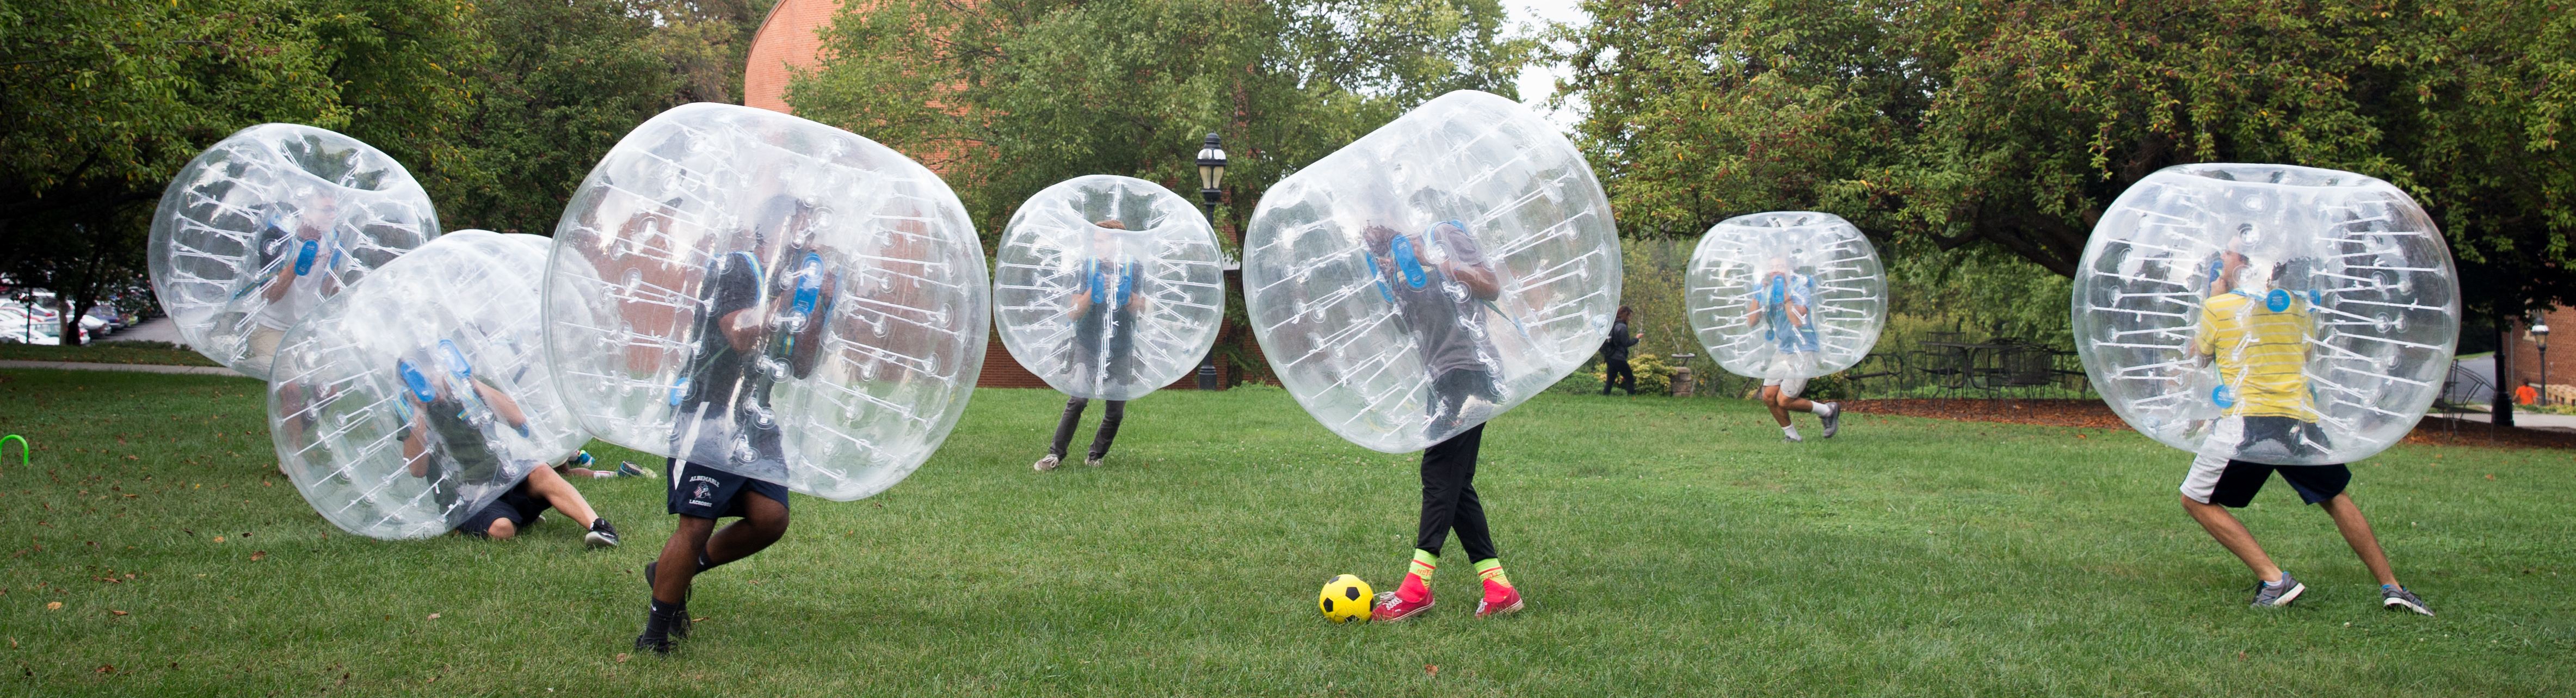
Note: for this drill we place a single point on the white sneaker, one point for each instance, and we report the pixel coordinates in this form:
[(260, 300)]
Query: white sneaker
[(1048, 463), (1790, 434)]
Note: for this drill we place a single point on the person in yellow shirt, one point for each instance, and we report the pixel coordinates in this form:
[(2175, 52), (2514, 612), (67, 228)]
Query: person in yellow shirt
[(2258, 336)]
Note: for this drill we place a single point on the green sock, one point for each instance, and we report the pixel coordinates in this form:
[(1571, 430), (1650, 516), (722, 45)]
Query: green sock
[(1491, 570)]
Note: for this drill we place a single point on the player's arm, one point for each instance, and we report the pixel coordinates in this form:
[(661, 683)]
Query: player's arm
[(1081, 306), (416, 442), (1466, 263), (1753, 308), (503, 405)]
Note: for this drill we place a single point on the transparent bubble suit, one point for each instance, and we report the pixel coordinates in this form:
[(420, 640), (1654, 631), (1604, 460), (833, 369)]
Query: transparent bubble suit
[(768, 296), (1786, 294), (2216, 298), (259, 229), (1434, 273), (1103, 313), (408, 402)]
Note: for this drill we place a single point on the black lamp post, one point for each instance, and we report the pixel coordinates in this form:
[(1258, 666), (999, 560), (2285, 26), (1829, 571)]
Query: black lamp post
[(2540, 336), (1211, 174)]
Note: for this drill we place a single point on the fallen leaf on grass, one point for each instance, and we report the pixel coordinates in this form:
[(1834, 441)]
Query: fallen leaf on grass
[(258, 555), (700, 619), (433, 616), (621, 657), (1432, 670), (121, 613), (219, 539), (107, 668), (2491, 477), (55, 606)]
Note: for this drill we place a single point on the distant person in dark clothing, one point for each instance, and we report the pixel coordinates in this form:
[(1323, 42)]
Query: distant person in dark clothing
[(1614, 356), (1104, 312)]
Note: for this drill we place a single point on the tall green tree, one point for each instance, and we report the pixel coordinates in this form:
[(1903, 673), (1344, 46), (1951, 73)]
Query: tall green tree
[(2013, 124), (102, 102), (1007, 97)]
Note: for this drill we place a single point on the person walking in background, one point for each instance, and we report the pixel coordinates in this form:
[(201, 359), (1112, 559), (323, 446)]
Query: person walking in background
[(1614, 356), (2258, 338), (1104, 312)]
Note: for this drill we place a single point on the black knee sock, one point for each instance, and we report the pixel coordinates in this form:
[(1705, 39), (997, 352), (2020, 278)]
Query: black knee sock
[(707, 563)]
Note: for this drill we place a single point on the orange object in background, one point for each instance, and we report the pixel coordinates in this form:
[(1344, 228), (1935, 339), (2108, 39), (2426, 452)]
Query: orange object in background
[(2525, 395)]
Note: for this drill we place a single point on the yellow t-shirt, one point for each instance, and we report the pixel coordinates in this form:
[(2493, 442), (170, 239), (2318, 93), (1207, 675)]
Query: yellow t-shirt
[(2261, 353)]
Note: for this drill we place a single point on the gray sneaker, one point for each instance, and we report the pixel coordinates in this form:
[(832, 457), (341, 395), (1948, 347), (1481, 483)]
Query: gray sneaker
[(2402, 599), (2268, 596), (1833, 418), (1048, 463), (1093, 461)]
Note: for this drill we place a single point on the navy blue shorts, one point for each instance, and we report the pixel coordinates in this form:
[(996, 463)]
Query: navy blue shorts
[(517, 505), (2315, 483), (708, 493)]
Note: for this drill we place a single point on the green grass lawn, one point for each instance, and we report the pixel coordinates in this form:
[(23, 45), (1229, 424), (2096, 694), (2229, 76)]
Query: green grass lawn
[(1666, 547)]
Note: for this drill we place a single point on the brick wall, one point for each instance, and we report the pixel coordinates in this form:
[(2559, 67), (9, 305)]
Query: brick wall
[(787, 37), (2522, 353)]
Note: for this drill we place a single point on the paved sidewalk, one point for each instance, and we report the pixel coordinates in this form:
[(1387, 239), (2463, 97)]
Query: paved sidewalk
[(159, 329), (140, 368), (2528, 420)]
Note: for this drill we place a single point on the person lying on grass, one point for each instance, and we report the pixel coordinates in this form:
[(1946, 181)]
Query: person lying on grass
[(2259, 341), (448, 431)]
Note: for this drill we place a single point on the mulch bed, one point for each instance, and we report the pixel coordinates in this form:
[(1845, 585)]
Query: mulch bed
[(2093, 414)]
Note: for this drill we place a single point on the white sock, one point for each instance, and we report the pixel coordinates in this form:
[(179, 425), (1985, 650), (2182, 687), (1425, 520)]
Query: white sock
[(1791, 431), (1823, 409)]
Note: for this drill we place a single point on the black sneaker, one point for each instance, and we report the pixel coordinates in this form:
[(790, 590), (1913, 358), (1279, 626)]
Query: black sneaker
[(601, 534), (2268, 596), (657, 645), (2401, 599)]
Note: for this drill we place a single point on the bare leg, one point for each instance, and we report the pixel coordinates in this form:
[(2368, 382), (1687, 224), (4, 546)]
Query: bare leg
[(545, 484), (2356, 532), (766, 523), (679, 561), (2232, 534), (1771, 398)]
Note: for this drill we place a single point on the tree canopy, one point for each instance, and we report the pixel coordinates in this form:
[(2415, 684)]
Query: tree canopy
[(2010, 125), (1009, 96)]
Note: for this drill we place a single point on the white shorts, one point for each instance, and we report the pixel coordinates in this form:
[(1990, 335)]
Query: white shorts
[(2211, 460), (1801, 364), (1789, 387)]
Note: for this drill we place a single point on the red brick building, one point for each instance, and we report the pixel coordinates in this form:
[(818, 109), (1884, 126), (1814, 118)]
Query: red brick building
[(2519, 361), (790, 37)]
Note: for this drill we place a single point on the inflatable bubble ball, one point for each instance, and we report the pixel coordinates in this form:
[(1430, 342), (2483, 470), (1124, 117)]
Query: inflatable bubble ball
[(764, 295), (1108, 287), (1786, 295), (1434, 273), (407, 402), (261, 228), (2267, 313)]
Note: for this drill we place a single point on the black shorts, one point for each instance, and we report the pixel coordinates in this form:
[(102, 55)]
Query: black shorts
[(708, 493), (518, 505), (2315, 483)]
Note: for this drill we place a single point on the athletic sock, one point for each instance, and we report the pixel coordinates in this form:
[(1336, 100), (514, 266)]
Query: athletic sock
[(657, 622), (1417, 580), (1491, 571), (1791, 431), (707, 563), (1822, 409), (2285, 579)]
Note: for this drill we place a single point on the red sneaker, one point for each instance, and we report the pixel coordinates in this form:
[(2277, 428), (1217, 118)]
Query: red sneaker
[(1498, 600), (1391, 608)]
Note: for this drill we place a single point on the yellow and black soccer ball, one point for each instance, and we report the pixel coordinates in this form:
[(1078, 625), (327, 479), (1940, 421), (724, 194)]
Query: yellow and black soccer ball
[(1345, 598)]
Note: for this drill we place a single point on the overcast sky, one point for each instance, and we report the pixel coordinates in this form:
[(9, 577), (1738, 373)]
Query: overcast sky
[(1537, 81)]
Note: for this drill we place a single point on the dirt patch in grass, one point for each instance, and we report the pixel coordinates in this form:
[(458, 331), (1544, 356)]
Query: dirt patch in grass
[(2094, 414)]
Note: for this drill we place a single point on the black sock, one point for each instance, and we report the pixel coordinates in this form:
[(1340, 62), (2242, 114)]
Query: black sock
[(707, 563), (657, 622)]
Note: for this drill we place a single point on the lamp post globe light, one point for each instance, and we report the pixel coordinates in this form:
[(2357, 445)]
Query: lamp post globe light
[(1211, 176)]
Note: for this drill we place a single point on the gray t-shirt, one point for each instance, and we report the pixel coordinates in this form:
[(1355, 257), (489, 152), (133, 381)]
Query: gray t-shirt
[(1444, 315)]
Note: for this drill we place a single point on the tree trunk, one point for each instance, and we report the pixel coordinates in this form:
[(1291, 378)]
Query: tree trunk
[(2503, 414), (71, 322)]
